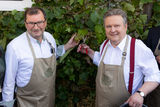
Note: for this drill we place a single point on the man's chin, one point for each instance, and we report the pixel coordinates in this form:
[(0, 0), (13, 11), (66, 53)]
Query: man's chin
[(37, 34)]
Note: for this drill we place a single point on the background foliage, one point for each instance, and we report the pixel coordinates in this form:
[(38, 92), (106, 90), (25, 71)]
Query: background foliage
[(75, 82)]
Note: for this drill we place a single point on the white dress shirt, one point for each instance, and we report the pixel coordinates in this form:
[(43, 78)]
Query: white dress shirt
[(146, 67), (19, 61)]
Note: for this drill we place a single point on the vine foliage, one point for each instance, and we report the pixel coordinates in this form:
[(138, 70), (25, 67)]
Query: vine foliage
[(75, 82)]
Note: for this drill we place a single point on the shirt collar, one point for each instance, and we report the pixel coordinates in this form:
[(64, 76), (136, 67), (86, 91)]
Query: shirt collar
[(35, 40), (121, 44)]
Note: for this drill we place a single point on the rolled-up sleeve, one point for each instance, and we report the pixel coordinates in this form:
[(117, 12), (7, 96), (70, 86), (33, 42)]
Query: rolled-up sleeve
[(60, 50), (96, 58), (151, 70), (148, 64)]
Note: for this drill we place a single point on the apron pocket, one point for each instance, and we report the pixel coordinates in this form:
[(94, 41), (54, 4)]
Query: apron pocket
[(49, 72)]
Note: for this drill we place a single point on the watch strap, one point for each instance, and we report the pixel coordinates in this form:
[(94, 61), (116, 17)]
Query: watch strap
[(140, 93)]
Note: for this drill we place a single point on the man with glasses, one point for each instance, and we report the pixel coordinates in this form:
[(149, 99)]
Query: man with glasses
[(31, 63)]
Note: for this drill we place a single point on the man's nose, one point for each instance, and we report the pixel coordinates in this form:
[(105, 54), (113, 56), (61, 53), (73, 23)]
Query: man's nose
[(113, 29), (35, 26)]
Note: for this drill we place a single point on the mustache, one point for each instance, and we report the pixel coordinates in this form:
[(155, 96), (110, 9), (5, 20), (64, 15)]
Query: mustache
[(114, 33), (36, 30)]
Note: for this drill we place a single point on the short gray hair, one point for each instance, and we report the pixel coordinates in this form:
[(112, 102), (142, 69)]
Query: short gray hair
[(113, 12)]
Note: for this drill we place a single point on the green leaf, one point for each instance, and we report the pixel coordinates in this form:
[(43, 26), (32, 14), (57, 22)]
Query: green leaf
[(3, 42), (145, 1), (99, 28), (67, 71), (128, 6), (80, 2), (82, 32), (18, 16), (100, 37), (94, 17), (143, 18), (68, 29), (71, 2), (156, 7), (132, 28), (72, 77), (145, 34), (14, 12), (83, 76), (63, 93), (58, 12)]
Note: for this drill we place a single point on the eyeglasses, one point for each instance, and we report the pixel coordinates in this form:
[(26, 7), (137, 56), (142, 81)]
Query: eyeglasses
[(39, 23)]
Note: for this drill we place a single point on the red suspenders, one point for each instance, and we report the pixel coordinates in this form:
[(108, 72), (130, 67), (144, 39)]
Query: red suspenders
[(131, 74), (104, 45), (132, 54)]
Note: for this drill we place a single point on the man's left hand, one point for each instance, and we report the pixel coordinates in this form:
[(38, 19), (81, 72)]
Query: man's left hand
[(71, 43)]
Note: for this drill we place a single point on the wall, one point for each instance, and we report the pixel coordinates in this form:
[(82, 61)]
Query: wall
[(9, 5)]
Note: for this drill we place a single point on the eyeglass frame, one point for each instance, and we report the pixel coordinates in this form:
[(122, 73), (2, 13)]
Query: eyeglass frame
[(35, 23)]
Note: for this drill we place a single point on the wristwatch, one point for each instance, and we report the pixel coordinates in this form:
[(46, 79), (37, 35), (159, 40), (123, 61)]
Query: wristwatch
[(141, 93)]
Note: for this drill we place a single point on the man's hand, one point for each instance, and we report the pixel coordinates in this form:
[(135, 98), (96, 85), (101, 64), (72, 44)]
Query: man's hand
[(71, 43), (135, 100), (158, 59), (85, 49)]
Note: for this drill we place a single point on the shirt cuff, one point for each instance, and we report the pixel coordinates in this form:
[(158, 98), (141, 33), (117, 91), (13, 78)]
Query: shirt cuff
[(60, 50), (7, 103), (153, 78)]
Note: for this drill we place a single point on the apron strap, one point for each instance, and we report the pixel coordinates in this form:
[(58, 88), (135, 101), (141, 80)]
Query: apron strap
[(124, 53), (104, 45), (131, 74), (33, 53), (52, 48), (34, 56)]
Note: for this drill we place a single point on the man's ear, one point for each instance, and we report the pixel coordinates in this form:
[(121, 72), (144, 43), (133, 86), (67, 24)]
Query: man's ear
[(126, 25), (45, 23), (25, 24)]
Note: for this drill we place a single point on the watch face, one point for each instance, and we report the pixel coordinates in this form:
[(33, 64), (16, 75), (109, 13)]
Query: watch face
[(142, 94)]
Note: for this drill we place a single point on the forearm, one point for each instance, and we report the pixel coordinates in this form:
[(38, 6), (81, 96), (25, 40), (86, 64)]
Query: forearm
[(90, 53), (137, 99), (66, 47), (148, 87)]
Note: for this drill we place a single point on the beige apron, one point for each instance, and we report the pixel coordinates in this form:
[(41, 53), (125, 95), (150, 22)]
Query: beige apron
[(153, 99), (40, 91), (110, 85)]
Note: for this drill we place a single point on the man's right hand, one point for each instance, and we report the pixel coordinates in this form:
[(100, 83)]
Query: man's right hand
[(85, 49)]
